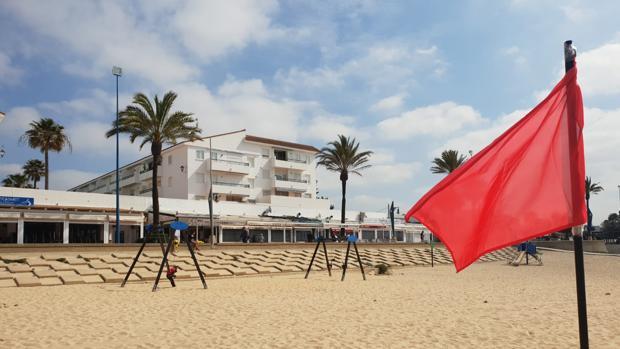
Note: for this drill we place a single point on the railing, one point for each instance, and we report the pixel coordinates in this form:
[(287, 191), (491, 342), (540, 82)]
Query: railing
[(145, 170), (145, 190), (127, 176), (284, 178), (240, 185), (298, 161), (240, 163)]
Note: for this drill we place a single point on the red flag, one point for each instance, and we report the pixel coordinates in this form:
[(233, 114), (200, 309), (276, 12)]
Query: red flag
[(529, 182)]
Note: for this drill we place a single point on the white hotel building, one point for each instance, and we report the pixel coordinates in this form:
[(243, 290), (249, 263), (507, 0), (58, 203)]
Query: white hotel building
[(267, 185)]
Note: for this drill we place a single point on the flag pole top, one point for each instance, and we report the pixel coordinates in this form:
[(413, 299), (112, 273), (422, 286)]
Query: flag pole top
[(570, 52)]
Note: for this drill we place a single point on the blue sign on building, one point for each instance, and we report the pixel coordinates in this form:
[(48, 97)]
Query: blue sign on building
[(16, 201)]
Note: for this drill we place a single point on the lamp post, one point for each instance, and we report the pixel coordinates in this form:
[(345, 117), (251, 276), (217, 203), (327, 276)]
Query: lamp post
[(619, 193), (211, 193), (2, 153), (117, 71)]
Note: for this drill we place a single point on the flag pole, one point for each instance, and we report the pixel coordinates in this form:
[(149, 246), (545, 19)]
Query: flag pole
[(569, 63)]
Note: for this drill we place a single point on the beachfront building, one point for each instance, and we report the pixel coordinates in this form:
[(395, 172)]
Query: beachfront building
[(30, 216), (240, 168), (266, 185)]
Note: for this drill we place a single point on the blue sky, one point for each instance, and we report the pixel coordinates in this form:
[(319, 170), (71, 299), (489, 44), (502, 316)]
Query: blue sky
[(406, 78)]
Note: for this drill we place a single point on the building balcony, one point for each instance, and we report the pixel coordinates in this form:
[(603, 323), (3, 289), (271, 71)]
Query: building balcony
[(231, 188), (127, 180), (289, 184), (289, 164), (145, 174), (230, 166)]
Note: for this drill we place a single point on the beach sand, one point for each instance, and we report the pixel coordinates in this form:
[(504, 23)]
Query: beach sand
[(489, 305)]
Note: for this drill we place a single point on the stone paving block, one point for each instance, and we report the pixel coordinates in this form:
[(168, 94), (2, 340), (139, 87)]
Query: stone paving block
[(92, 279), (45, 273), (52, 256), (111, 260), (121, 269), (148, 254), (86, 271), (187, 267), (37, 262), (122, 255), (216, 272), (99, 265), (27, 281), (181, 275), (50, 281), (91, 256), (62, 266), (71, 279), (241, 271), (146, 275), (75, 261), (111, 277), (264, 270), (18, 268), (5, 275), (7, 283), (287, 268)]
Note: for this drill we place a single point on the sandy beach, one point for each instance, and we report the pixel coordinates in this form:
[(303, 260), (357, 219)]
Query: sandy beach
[(489, 305)]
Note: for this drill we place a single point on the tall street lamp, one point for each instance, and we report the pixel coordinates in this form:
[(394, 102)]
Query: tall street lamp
[(117, 71)]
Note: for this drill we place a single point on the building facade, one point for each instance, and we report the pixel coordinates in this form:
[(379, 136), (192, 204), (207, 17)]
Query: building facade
[(239, 167)]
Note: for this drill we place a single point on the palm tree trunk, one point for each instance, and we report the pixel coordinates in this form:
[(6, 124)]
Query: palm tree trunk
[(34, 183), (343, 180), (47, 170), (156, 152)]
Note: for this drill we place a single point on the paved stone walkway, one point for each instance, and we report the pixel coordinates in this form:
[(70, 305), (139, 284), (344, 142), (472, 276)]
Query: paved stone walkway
[(49, 269)]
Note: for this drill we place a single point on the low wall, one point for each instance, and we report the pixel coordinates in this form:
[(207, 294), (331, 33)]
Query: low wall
[(588, 245), (613, 248)]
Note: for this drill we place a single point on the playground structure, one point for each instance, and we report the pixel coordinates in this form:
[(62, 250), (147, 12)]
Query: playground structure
[(351, 239), (170, 270), (526, 250)]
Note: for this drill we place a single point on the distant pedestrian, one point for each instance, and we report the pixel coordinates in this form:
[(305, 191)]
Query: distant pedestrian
[(245, 235), (422, 236)]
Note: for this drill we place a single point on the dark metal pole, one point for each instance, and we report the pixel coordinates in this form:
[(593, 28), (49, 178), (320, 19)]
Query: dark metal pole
[(191, 252), (312, 260), (359, 260), (163, 262), (569, 63), (133, 264), (118, 211), (329, 267), (346, 260), (211, 194)]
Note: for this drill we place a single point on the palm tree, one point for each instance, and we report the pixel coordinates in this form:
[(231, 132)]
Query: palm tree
[(157, 125), (450, 160), (343, 156), (46, 135), (591, 188), (17, 180), (34, 169)]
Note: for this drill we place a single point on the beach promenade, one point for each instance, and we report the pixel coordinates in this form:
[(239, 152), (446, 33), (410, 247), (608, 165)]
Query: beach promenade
[(489, 305)]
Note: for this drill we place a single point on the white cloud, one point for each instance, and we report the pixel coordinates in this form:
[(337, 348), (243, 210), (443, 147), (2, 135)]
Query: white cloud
[(577, 14), (69, 178), (389, 104), (9, 74), (103, 34), (242, 104), (9, 169), (212, 28), (17, 121), (327, 128), (378, 66), (435, 120), (88, 139), (599, 70), (515, 54), (97, 104)]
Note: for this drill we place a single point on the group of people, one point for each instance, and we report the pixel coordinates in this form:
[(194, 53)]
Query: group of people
[(191, 235), (246, 237)]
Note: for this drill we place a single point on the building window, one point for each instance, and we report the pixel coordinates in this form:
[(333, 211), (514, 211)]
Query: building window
[(281, 193), (169, 159), (200, 177), (280, 154), (200, 154), (169, 181)]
